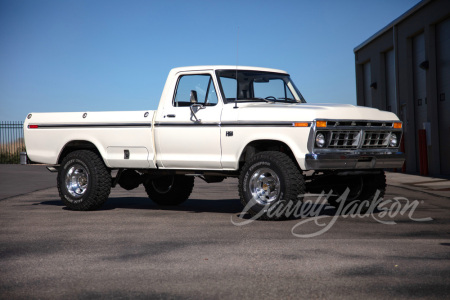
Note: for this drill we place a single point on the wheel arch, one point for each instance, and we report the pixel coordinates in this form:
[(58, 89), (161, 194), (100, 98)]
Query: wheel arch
[(75, 145), (257, 146)]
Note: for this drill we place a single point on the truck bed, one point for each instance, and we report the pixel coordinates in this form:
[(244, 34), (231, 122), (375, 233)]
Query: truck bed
[(123, 138)]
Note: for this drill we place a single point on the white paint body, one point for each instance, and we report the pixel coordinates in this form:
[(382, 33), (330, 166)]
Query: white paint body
[(190, 145)]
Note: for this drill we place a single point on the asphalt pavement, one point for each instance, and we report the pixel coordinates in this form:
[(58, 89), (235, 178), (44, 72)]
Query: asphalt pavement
[(23, 179), (131, 248)]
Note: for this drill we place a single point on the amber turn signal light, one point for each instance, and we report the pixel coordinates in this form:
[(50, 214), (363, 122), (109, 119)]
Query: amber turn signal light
[(398, 125), (321, 124), (301, 124)]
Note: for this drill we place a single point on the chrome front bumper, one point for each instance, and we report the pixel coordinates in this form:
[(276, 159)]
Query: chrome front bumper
[(354, 160)]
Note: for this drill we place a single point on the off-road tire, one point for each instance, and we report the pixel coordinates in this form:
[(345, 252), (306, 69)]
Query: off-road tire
[(279, 167), (372, 185), (169, 190), (97, 179)]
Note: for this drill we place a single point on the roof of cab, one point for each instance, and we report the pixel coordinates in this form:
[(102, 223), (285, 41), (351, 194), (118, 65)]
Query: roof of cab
[(220, 67)]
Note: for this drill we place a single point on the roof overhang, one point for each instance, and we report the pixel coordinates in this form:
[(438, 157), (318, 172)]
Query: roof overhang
[(392, 24)]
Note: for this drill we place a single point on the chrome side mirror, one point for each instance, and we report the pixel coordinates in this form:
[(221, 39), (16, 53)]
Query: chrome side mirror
[(197, 107)]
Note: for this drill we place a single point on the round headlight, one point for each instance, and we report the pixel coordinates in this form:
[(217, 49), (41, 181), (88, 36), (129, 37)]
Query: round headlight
[(393, 141), (320, 140)]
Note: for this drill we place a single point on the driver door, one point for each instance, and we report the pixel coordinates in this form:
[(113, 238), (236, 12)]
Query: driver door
[(188, 136)]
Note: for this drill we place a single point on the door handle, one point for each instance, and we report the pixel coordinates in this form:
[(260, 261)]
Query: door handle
[(171, 116)]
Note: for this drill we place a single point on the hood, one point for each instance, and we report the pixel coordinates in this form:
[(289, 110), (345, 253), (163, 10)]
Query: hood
[(309, 112)]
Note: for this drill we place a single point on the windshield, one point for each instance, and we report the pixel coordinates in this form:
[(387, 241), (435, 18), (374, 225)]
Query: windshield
[(257, 86)]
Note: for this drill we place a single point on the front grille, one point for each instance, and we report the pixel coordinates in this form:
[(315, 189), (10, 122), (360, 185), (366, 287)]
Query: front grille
[(348, 139), (374, 139), (357, 139), (356, 134)]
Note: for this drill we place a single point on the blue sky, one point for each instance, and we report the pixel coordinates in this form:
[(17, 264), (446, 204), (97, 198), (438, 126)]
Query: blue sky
[(92, 55)]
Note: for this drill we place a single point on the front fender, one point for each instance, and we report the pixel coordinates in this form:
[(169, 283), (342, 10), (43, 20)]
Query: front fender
[(234, 145)]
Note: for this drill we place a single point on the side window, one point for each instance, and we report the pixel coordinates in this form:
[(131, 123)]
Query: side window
[(200, 85)]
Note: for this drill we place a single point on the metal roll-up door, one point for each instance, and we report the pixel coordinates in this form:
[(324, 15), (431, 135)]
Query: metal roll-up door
[(420, 81), (366, 84), (443, 92), (391, 101), (419, 86)]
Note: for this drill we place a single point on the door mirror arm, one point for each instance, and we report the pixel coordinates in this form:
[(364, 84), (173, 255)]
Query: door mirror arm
[(197, 106)]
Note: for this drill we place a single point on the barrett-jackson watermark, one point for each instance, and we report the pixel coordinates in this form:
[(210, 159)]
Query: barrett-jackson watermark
[(311, 211)]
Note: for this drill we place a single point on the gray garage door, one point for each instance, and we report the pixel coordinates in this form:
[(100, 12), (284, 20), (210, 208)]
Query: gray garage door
[(366, 82), (443, 92), (391, 103), (419, 86)]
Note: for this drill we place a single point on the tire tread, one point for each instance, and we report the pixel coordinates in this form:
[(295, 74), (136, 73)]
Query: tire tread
[(295, 184), (100, 186)]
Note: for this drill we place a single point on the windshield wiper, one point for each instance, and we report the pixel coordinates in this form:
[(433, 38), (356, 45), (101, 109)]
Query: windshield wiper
[(256, 99), (267, 100), (290, 100)]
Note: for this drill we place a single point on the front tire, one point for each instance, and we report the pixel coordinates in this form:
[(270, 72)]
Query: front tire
[(169, 190), (84, 182), (269, 184)]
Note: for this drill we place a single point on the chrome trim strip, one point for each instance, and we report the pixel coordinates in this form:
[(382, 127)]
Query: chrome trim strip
[(355, 128), (265, 123), (114, 125), (236, 124), (160, 124), (193, 124)]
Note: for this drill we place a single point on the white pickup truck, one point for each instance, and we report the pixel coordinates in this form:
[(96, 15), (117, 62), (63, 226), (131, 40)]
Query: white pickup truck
[(216, 122)]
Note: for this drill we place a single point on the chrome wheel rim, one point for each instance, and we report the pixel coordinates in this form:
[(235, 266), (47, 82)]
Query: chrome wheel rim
[(77, 179), (264, 185)]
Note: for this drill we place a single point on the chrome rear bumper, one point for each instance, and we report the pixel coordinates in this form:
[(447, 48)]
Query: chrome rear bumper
[(354, 160)]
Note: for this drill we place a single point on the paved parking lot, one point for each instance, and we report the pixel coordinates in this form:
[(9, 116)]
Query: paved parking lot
[(22, 179), (132, 248)]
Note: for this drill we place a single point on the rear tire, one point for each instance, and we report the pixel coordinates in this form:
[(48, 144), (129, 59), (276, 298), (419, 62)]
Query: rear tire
[(169, 190), (84, 182)]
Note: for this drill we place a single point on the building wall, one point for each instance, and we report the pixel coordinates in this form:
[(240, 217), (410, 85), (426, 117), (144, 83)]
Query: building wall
[(417, 86)]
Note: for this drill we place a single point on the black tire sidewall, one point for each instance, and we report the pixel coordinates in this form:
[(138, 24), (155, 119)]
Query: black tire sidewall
[(178, 193), (248, 172), (66, 165)]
